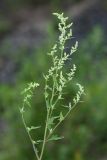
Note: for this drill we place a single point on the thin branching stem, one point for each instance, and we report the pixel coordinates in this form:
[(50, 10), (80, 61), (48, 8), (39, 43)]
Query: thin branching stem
[(56, 126), (54, 92), (34, 148), (45, 135)]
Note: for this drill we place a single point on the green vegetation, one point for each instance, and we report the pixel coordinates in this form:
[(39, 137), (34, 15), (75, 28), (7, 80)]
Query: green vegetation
[(55, 83), (85, 130)]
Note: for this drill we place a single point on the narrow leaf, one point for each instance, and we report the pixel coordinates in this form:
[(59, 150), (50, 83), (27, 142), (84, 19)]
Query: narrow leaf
[(32, 128), (61, 117), (55, 138)]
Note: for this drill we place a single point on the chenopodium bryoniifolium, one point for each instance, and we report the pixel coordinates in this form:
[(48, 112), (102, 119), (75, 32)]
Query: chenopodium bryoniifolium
[(53, 91)]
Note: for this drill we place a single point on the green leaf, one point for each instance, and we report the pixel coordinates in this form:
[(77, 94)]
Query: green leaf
[(55, 138), (34, 142), (69, 25), (32, 128), (61, 117), (22, 110), (39, 141), (50, 122), (28, 103), (46, 94)]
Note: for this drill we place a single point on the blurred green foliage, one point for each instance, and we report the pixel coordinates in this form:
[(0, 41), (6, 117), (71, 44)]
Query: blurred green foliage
[(85, 131), (5, 25)]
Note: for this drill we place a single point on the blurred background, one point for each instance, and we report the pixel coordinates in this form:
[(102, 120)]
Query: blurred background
[(27, 32)]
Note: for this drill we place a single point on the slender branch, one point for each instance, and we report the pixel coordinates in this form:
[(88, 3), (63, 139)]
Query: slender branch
[(60, 122), (34, 148), (45, 134)]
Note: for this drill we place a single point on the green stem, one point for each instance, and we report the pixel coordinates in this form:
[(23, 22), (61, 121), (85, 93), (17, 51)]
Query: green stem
[(34, 148), (45, 134)]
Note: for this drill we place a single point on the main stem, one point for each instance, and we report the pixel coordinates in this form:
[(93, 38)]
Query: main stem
[(49, 112), (45, 134), (46, 127)]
